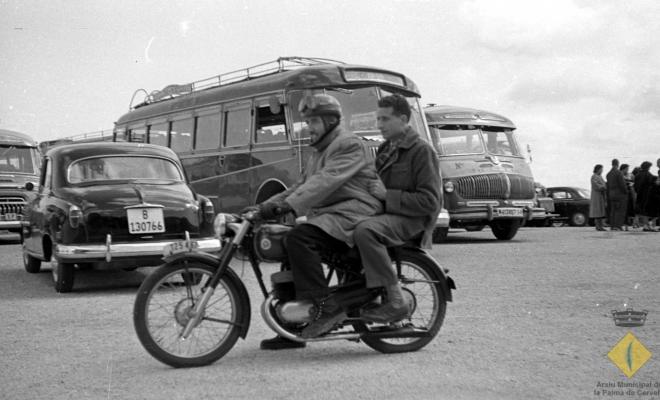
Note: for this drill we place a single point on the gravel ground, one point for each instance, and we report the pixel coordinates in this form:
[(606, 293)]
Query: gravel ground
[(530, 320)]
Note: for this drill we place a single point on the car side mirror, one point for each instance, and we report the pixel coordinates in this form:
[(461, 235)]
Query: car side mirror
[(29, 186)]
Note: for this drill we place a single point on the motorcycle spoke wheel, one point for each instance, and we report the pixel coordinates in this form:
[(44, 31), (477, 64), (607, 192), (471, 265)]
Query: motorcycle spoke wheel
[(164, 307), (430, 305)]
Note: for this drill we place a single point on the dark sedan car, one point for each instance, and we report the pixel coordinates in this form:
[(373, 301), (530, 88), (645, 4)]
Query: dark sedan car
[(571, 203), (111, 206)]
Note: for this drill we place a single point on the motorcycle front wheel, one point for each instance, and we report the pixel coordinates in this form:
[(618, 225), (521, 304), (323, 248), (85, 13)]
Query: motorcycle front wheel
[(417, 275), (163, 308)]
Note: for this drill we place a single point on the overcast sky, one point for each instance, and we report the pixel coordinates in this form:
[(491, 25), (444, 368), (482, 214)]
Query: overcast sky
[(581, 79)]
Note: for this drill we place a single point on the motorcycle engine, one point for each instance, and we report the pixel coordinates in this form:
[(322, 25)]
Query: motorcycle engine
[(296, 311)]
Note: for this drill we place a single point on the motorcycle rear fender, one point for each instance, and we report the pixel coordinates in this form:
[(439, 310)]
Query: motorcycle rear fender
[(446, 283), (213, 261)]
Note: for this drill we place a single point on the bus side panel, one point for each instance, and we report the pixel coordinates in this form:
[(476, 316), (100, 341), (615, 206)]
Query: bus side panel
[(278, 164)]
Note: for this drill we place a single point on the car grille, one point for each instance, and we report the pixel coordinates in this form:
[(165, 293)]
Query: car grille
[(11, 205), (495, 186)]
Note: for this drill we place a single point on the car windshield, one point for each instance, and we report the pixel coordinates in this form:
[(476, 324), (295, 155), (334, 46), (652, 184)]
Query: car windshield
[(470, 139), (122, 168), (18, 159), (359, 107)]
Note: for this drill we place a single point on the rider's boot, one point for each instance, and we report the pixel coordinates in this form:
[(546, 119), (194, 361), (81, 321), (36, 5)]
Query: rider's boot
[(280, 343), (329, 313), (395, 309)]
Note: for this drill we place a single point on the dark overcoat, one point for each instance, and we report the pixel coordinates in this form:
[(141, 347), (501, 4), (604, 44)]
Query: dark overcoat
[(412, 178), (333, 192)]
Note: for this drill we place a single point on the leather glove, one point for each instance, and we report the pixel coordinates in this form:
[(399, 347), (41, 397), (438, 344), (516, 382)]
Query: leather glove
[(250, 208), (272, 210)]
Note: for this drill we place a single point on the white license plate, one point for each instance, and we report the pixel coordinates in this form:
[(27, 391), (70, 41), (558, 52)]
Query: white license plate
[(182, 246), (11, 217), (145, 220), (509, 212)]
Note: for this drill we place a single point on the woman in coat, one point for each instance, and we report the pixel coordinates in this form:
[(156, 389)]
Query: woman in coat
[(598, 197)]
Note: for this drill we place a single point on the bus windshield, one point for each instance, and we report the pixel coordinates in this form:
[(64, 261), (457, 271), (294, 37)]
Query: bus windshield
[(469, 139), (18, 159), (359, 108)]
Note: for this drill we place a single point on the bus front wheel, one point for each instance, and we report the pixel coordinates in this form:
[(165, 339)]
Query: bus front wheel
[(505, 229)]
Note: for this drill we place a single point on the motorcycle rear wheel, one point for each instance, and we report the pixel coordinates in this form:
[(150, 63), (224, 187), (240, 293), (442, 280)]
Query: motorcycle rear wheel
[(161, 311), (430, 304)]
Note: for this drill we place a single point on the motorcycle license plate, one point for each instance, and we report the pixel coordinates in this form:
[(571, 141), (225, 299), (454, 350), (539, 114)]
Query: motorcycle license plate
[(145, 220), (509, 212), (181, 246)]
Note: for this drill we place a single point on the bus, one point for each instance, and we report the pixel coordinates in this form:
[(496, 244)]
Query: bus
[(20, 161), (487, 180), (239, 135)]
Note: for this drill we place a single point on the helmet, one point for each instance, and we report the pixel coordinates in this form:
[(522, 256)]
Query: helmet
[(319, 105)]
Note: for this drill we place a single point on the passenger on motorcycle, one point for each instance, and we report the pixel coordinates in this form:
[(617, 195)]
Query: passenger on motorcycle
[(333, 194), (410, 187)]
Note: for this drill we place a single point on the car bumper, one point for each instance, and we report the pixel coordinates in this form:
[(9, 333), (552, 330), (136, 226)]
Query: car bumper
[(110, 251), (490, 213), (11, 224)]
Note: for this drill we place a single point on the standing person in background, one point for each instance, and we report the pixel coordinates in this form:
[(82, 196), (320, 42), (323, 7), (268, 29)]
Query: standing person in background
[(644, 182), (636, 224), (617, 196), (598, 199), (630, 204)]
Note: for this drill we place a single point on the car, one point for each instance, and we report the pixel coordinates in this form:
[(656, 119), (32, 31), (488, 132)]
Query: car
[(111, 206), (571, 203)]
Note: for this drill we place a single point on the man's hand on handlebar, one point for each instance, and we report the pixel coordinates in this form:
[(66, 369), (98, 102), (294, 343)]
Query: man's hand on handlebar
[(272, 210)]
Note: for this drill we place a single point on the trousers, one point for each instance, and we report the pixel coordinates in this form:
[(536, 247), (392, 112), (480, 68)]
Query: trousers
[(374, 236), (303, 244)]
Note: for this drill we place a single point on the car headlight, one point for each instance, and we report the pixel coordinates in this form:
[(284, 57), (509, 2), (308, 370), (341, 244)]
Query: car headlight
[(209, 212), (220, 224), (449, 186), (75, 215)]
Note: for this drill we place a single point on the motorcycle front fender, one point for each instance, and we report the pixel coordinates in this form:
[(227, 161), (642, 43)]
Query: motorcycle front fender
[(213, 261)]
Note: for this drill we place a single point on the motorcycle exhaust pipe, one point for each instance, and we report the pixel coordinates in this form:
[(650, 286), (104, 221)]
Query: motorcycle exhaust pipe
[(272, 323)]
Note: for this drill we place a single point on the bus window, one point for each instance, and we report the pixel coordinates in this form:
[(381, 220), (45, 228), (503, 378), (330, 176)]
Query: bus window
[(501, 143), (181, 135), (270, 127), (454, 140), (208, 132), (158, 133), (237, 127), (137, 134)]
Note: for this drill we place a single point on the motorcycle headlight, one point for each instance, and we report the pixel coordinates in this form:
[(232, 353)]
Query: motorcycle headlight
[(449, 186), (220, 224)]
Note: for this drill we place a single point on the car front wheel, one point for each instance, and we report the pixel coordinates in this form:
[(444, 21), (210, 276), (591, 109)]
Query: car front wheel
[(31, 264), (62, 275)]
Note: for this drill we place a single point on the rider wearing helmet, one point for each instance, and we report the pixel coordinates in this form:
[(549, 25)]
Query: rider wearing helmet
[(333, 194)]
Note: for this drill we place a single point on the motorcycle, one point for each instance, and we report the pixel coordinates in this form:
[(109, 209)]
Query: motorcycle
[(192, 309)]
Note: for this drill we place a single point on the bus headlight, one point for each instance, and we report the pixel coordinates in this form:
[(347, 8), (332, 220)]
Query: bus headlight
[(449, 186)]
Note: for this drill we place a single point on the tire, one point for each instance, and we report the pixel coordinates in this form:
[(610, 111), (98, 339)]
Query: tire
[(578, 219), (31, 264), (430, 304), (474, 228), (440, 235), (159, 315), (63, 275), (505, 229)]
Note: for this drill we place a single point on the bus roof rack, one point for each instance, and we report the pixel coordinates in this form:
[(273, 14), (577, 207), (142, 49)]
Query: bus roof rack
[(272, 67)]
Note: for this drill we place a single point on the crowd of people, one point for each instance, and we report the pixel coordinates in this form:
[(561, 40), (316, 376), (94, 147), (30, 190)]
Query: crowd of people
[(626, 197)]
